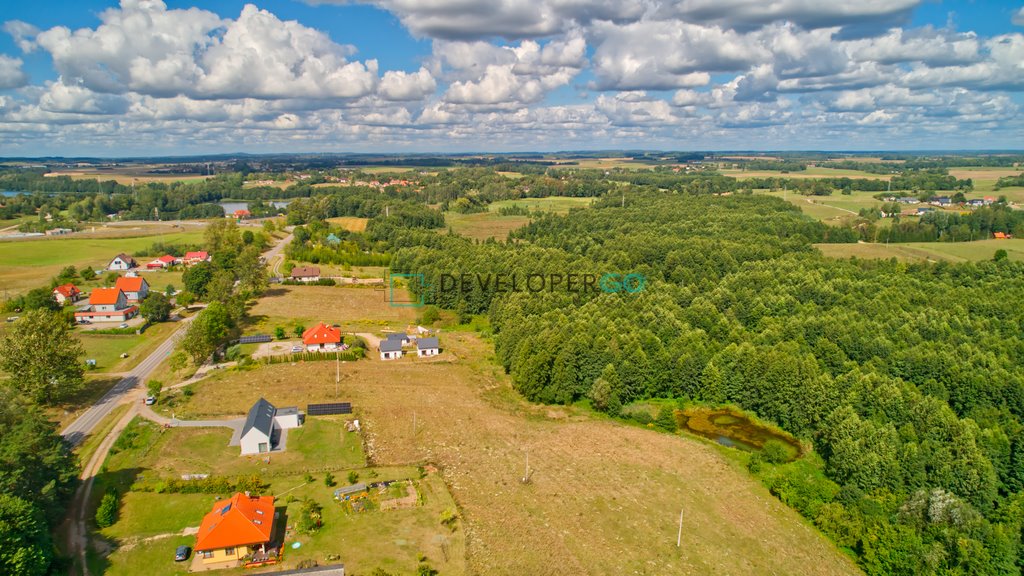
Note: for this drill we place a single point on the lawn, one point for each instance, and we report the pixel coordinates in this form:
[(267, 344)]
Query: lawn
[(26, 264), (918, 251), (106, 349), (595, 504), (350, 223), (556, 204)]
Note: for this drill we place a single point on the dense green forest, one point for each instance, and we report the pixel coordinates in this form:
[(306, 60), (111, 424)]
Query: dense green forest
[(906, 379)]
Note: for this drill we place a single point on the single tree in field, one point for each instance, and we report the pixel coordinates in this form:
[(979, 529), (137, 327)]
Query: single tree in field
[(87, 273), (156, 307), (41, 357), (1000, 255)]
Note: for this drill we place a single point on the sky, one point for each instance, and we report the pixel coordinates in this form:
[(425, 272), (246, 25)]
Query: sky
[(152, 77)]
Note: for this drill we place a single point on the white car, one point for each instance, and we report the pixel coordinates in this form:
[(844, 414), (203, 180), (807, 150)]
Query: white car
[(124, 325), (296, 348)]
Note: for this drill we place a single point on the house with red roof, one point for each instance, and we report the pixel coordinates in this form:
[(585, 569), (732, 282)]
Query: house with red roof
[(321, 338), (107, 305), (162, 262), (135, 288), (67, 293), (1001, 235), (237, 531), (196, 257), (241, 214)]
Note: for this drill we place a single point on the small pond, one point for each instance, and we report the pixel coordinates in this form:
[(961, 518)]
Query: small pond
[(734, 429)]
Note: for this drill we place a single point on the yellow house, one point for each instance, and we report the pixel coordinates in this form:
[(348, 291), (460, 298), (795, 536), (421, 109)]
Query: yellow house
[(236, 528)]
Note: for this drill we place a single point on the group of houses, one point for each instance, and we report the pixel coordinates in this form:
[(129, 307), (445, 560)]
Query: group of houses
[(116, 304), (393, 346), (942, 201), (124, 262)]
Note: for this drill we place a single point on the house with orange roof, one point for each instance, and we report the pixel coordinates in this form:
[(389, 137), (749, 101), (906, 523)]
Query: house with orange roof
[(66, 293), (1001, 236), (135, 288), (241, 214), (321, 338), (107, 305), (237, 531)]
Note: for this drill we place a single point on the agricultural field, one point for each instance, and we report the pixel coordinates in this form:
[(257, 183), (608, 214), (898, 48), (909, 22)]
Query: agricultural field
[(350, 223), (622, 511), (362, 308), (932, 251), (27, 264), (490, 224), (127, 175), (837, 209), (810, 172)]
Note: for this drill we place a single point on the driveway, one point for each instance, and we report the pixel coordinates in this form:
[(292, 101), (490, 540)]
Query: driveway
[(235, 424)]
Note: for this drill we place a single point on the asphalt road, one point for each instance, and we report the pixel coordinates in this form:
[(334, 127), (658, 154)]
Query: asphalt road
[(80, 428)]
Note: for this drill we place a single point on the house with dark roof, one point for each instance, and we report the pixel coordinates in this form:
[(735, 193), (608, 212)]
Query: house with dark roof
[(122, 262), (399, 337), (261, 431), (236, 530), (427, 347), (390, 349)]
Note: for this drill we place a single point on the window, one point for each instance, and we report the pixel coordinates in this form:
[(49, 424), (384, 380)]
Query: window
[(260, 512), (207, 554), (229, 551)]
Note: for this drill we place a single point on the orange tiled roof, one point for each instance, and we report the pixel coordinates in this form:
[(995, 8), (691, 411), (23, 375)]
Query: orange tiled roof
[(127, 284), (103, 296), (196, 256), (321, 334), (67, 290), (238, 521)]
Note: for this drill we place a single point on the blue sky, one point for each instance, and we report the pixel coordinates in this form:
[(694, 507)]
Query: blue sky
[(145, 76)]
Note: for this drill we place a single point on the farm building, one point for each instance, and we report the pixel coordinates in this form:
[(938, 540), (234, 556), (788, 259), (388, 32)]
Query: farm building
[(135, 288), (66, 293), (263, 426), (237, 529), (390, 349), (321, 338), (427, 347), (306, 274), (122, 262), (107, 305)]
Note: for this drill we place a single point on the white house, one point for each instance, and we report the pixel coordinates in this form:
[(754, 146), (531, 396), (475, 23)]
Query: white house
[(122, 262), (107, 305), (390, 349), (306, 274), (427, 347), (399, 337), (263, 426)]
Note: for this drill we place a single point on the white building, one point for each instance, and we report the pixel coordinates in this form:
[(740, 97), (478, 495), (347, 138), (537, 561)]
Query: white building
[(122, 262), (390, 349), (263, 426), (427, 347)]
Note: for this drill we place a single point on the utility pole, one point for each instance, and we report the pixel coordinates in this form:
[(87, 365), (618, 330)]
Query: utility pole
[(414, 425), (679, 537), (337, 372)]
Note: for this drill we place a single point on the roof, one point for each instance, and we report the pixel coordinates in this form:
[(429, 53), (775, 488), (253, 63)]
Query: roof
[(242, 212), (67, 290), (305, 271), (124, 257), (351, 489), (321, 334), (333, 239), (1000, 235), (238, 521), (397, 336), (425, 343), (127, 284), (202, 255), (261, 417), (390, 346), (168, 258), (104, 296), (288, 411)]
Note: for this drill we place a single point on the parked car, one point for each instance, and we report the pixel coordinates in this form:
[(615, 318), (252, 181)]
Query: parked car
[(296, 348), (84, 321), (150, 400), (123, 325), (182, 553), (12, 318)]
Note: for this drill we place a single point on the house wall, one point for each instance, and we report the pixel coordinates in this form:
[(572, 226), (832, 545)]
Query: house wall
[(250, 443), (428, 352), (390, 355), (223, 554), (287, 421)]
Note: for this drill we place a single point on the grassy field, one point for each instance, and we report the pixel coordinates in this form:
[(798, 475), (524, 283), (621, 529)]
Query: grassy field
[(595, 504), (810, 172), (352, 308), (918, 251), (106, 349), (837, 209), (27, 264), (127, 176), (350, 223), (490, 224)]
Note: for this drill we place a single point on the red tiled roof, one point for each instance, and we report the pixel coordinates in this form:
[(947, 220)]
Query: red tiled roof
[(305, 271), (127, 284), (67, 290), (321, 334), (1000, 235), (238, 521), (168, 259), (196, 256), (104, 296)]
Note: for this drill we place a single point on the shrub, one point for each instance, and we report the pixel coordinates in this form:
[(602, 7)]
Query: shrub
[(106, 514), (774, 452), (310, 516), (279, 333), (353, 477), (329, 480)]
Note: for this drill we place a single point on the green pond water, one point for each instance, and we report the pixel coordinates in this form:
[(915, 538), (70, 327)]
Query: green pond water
[(736, 431)]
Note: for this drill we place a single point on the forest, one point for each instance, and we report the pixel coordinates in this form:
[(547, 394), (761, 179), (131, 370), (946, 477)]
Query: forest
[(906, 379)]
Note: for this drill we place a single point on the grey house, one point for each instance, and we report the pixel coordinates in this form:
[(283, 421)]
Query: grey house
[(390, 349), (427, 347)]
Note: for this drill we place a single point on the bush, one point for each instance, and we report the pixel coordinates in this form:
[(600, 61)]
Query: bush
[(279, 333), (106, 514), (209, 485), (329, 480), (310, 517), (774, 452), (154, 387), (353, 477)]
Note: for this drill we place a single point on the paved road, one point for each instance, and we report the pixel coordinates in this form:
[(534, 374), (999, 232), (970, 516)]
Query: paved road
[(274, 252), (80, 428)]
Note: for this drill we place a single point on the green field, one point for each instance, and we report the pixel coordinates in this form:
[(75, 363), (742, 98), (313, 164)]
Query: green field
[(837, 209), (106, 349), (490, 224), (918, 251), (26, 264)]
